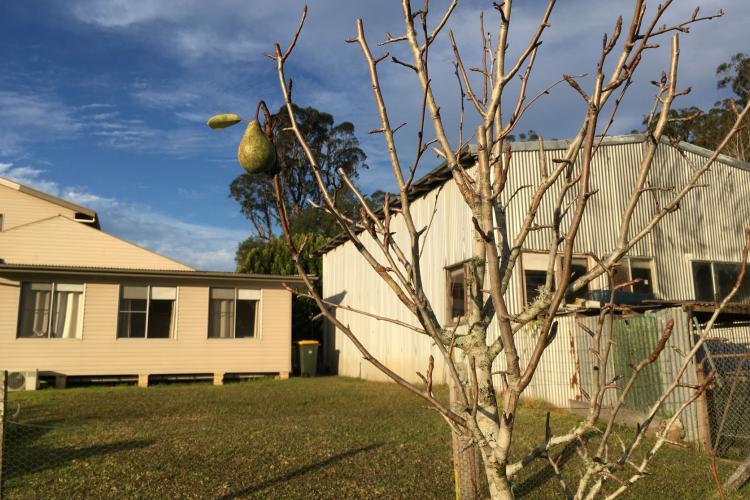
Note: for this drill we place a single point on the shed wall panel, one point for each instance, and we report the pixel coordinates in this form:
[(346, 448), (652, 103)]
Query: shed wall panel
[(708, 226)]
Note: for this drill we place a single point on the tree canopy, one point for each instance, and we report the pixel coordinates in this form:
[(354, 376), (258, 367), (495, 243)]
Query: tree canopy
[(333, 145), (708, 128)]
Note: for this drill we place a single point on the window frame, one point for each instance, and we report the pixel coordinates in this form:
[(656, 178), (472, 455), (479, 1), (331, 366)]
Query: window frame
[(449, 319), (714, 282), (52, 304), (257, 332), (173, 324), (528, 266), (628, 262)]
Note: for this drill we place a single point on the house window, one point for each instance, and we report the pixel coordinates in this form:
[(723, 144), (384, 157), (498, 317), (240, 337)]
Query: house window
[(233, 313), (634, 268), (714, 280), (146, 312), (51, 310), (456, 293), (1, 222)]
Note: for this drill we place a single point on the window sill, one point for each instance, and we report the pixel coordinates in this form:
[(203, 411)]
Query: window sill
[(456, 325), (141, 339), (241, 339), (35, 339)]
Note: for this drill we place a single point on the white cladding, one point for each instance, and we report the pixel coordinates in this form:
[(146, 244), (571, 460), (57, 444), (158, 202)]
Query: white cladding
[(708, 226)]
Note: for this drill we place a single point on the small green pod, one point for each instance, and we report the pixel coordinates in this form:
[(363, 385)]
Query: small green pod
[(223, 121)]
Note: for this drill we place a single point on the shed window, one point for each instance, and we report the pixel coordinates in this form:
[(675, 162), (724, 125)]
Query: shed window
[(703, 281), (51, 310), (534, 275), (634, 268), (233, 313), (534, 281), (578, 267), (714, 280), (146, 312), (456, 293)]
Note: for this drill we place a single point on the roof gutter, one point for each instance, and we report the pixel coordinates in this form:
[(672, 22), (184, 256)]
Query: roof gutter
[(16, 269)]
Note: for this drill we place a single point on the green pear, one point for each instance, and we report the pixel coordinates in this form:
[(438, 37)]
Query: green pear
[(256, 153), (223, 121)]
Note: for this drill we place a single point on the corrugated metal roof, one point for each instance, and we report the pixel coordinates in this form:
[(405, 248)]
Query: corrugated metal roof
[(441, 174), (169, 273), (698, 306)]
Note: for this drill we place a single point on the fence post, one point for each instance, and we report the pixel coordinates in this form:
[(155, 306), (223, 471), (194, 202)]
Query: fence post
[(3, 406)]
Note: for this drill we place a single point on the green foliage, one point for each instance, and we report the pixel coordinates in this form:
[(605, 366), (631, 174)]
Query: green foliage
[(708, 128), (531, 135), (333, 145), (258, 256), (735, 74)]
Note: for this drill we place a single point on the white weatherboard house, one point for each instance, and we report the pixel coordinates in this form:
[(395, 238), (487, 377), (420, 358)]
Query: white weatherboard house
[(78, 302), (691, 256)]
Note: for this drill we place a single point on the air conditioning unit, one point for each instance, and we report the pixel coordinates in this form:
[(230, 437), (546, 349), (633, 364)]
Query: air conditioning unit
[(23, 381)]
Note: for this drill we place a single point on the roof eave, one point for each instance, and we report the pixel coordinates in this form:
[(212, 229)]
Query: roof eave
[(26, 269)]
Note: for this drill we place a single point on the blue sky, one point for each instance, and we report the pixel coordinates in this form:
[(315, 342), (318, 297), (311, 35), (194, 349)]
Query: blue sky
[(104, 102)]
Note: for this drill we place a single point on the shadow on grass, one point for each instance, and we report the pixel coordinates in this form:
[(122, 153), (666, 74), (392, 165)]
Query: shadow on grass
[(23, 455), (531, 484), (299, 472)]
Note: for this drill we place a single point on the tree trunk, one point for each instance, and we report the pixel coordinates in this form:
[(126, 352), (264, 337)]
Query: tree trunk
[(466, 460), (500, 488)]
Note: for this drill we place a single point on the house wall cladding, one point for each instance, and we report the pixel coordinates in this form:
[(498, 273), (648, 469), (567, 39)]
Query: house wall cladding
[(62, 241), (100, 352), (708, 226), (20, 208)]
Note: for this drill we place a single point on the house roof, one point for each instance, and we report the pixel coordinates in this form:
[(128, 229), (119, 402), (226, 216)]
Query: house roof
[(91, 214), (26, 269), (68, 243), (442, 174)]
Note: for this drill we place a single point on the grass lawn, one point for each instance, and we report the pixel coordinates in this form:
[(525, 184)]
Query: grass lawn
[(300, 438)]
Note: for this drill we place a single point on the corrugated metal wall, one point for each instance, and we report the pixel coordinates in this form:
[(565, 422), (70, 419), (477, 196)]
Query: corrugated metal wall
[(707, 226)]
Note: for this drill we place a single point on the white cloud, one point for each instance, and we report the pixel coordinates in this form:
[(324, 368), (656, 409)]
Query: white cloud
[(29, 176), (123, 13), (219, 46), (201, 246), (30, 117), (27, 117), (160, 97), (198, 245)]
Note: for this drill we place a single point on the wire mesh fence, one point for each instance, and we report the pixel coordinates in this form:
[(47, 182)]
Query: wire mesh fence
[(46, 453), (28, 446), (728, 398)]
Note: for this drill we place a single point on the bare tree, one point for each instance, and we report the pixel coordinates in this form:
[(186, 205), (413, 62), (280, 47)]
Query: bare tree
[(482, 416)]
